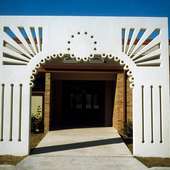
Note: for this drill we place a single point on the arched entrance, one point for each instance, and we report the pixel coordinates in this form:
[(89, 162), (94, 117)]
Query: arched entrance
[(142, 50), (83, 94)]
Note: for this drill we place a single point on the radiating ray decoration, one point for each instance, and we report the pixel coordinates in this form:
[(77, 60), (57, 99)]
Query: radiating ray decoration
[(21, 44), (142, 46)]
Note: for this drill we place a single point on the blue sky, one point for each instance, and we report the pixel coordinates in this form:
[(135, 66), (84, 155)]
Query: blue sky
[(86, 7)]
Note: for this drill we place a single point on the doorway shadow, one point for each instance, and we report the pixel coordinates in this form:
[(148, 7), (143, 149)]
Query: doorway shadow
[(78, 145)]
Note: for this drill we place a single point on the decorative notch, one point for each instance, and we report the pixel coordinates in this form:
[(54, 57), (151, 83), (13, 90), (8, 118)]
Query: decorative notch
[(11, 112), (142, 46), (2, 111), (159, 122), (20, 111), (21, 44), (152, 125), (143, 115), (160, 112)]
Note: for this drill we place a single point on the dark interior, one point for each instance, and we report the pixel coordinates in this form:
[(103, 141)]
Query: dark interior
[(79, 98), (81, 103)]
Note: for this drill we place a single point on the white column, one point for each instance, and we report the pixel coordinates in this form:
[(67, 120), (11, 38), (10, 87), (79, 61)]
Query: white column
[(151, 121), (15, 119)]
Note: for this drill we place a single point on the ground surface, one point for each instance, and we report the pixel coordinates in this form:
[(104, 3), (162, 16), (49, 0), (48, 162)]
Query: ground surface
[(81, 149), (155, 162), (149, 161), (13, 160)]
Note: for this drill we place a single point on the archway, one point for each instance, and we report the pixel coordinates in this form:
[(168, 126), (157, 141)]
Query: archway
[(73, 87), (141, 50)]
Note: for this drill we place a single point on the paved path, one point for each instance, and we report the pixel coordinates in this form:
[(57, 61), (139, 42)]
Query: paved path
[(83, 142), (81, 149)]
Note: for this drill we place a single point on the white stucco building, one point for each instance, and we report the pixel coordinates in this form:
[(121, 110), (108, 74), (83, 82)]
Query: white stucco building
[(27, 42)]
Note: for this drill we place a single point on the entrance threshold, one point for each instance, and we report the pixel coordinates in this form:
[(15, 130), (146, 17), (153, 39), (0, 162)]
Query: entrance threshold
[(103, 141)]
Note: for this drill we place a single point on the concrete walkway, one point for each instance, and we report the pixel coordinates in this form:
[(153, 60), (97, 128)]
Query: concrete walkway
[(81, 149), (82, 142)]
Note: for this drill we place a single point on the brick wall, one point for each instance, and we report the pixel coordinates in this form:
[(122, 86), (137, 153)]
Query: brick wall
[(118, 110), (122, 103), (128, 101), (122, 109), (47, 101)]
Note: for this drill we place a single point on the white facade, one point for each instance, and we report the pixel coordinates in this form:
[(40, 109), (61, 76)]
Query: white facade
[(27, 42)]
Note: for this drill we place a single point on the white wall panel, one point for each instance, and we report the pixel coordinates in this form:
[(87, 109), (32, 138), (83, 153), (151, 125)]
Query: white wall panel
[(125, 39)]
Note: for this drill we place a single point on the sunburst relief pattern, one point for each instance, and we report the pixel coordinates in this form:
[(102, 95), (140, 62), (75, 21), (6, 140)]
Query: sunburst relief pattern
[(21, 44), (142, 46)]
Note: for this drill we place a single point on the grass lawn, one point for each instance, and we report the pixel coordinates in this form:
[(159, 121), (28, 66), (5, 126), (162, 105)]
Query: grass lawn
[(13, 160)]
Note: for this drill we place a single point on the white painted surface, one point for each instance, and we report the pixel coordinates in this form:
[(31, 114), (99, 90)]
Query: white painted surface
[(107, 31)]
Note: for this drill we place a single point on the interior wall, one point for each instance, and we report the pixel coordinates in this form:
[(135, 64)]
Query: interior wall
[(128, 101), (118, 110), (47, 101), (84, 75), (109, 101), (122, 108), (56, 104)]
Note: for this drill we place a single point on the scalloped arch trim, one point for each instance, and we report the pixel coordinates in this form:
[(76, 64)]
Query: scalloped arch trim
[(122, 63)]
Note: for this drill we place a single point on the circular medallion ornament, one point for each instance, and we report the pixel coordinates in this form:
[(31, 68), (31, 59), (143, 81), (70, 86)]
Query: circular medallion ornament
[(82, 46)]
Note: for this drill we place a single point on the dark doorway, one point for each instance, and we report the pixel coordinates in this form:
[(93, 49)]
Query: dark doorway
[(77, 100), (82, 104)]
